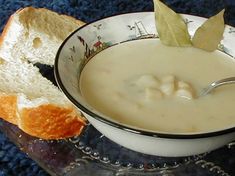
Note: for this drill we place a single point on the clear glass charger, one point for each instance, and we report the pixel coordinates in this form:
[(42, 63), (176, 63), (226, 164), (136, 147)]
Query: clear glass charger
[(93, 154)]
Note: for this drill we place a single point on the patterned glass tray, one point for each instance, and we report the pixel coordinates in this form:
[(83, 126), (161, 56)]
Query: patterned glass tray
[(93, 154)]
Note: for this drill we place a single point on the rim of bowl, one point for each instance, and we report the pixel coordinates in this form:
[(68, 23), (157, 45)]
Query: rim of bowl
[(119, 125)]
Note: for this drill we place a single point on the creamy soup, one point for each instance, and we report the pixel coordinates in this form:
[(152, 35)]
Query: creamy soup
[(147, 85)]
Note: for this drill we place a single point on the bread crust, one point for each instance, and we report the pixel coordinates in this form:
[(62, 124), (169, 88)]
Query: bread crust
[(6, 29), (46, 121), (8, 108), (27, 9), (51, 122)]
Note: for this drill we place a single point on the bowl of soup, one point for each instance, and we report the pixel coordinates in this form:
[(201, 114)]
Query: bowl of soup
[(142, 94)]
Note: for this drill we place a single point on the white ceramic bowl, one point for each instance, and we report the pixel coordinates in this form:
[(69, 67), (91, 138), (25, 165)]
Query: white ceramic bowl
[(82, 44)]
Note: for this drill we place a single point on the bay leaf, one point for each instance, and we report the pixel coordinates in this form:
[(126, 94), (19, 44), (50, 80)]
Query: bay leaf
[(210, 33), (171, 28)]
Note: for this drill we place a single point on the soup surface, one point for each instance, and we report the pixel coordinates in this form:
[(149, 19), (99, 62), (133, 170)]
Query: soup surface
[(138, 83)]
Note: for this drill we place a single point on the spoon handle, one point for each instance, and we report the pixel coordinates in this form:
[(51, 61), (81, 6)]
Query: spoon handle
[(216, 84)]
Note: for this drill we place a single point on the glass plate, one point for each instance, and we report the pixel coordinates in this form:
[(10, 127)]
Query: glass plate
[(93, 154)]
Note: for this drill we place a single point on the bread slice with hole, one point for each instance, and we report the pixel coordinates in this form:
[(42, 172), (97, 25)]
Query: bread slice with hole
[(35, 34), (27, 99)]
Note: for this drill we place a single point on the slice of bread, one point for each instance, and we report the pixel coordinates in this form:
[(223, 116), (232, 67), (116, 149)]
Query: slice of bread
[(35, 35), (35, 104), (27, 99)]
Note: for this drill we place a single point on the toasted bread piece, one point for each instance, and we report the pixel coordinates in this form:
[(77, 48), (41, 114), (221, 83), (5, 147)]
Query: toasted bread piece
[(35, 34)]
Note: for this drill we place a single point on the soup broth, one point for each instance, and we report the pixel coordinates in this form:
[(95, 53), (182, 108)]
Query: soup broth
[(147, 85)]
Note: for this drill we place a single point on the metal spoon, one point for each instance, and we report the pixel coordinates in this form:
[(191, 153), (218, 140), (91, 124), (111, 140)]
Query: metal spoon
[(216, 84)]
